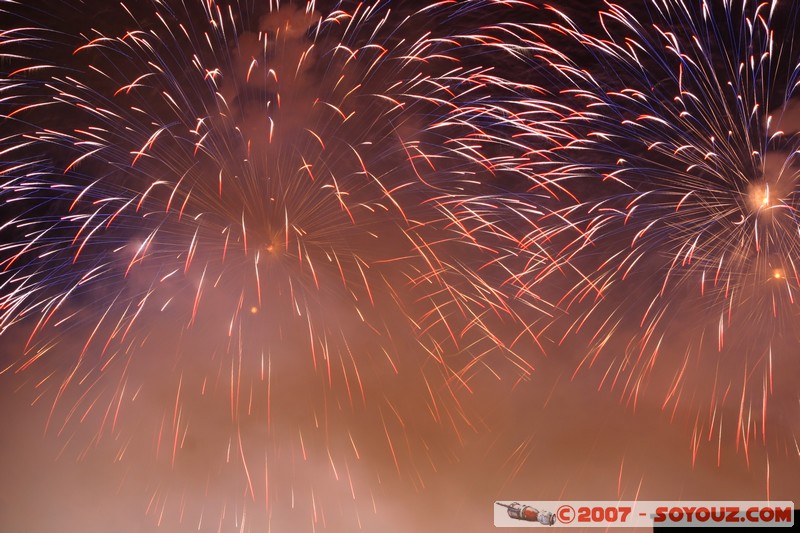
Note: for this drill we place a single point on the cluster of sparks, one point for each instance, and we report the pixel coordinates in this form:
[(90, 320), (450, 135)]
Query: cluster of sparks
[(227, 206), (690, 124)]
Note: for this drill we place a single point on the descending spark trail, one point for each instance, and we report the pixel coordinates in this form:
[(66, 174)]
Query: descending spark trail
[(283, 225), (679, 249)]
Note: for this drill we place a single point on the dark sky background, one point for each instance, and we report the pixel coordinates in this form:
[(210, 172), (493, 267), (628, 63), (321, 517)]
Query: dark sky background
[(317, 459)]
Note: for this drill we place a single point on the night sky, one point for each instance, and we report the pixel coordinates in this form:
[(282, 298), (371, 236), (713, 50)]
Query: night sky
[(376, 266)]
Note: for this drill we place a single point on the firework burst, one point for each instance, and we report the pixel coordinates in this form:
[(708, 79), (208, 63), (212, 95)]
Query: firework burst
[(680, 232), (283, 225)]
